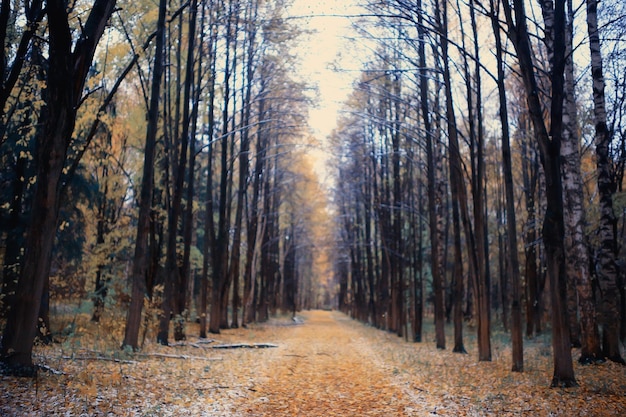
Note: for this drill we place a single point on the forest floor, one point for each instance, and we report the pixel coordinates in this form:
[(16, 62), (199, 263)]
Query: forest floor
[(324, 364)]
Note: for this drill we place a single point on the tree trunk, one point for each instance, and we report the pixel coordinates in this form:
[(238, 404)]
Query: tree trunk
[(175, 285), (549, 146), (530, 167), (220, 249), (141, 258), (457, 187), (607, 266), (191, 118), (397, 219), (209, 226), (244, 161), (507, 170), (419, 275), (432, 204), (254, 232), (100, 291), (580, 292), (479, 204), (66, 77)]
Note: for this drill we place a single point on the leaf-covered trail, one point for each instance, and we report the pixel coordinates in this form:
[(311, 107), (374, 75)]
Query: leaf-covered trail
[(327, 367)]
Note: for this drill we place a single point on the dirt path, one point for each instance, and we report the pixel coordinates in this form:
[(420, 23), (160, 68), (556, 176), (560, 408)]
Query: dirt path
[(329, 365), (323, 368)]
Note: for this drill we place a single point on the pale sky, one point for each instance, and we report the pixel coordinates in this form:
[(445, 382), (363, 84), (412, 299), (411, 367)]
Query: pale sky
[(322, 51)]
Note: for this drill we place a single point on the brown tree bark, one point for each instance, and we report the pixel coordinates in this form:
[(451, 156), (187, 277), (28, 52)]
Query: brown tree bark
[(482, 276), (234, 127), (457, 187), (534, 285), (189, 276), (68, 69), (513, 269), (209, 226), (432, 209), (418, 278), (220, 249), (175, 285), (244, 167), (255, 228), (397, 271), (141, 258)]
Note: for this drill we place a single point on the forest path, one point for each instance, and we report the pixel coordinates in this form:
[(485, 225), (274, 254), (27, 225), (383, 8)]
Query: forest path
[(329, 365), (326, 367)]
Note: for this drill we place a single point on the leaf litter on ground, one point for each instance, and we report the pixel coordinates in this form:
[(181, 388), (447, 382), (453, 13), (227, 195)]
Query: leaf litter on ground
[(323, 364)]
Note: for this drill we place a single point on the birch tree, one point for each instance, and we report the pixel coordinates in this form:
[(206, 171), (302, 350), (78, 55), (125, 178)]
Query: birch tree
[(549, 141), (607, 266)]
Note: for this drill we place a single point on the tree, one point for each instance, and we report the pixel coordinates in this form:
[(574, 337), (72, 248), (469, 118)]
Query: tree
[(141, 259), (457, 186), (607, 266), (187, 271), (507, 170), (248, 71), (432, 194), (69, 63), (220, 235), (209, 228), (477, 154), (175, 279), (549, 146)]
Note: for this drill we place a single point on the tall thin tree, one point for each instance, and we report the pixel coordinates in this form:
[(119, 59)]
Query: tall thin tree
[(607, 266), (141, 258), (549, 145)]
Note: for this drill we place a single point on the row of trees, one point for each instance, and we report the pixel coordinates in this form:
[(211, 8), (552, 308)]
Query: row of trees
[(157, 157), (437, 134), (156, 154)]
